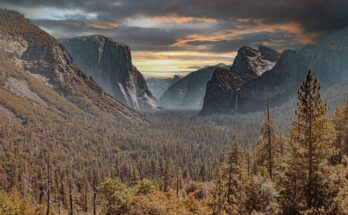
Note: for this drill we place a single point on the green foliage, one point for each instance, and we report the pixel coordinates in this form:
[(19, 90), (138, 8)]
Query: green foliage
[(341, 127), (145, 199), (219, 196), (307, 183), (117, 196), (145, 186), (263, 154), (16, 204), (261, 196), (7, 207), (230, 191)]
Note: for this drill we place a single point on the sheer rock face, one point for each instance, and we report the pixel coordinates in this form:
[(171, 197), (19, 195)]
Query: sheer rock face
[(109, 63), (188, 92), (33, 50), (328, 60), (223, 90)]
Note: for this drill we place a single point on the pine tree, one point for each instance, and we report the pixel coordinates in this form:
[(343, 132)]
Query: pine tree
[(71, 201), (95, 184), (229, 192), (219, 196), (248, 158), (84, 195), (134, 176), (48, 186), (341, 126), (117, 196), (268, 149), (269, 144), (24, 178), (261, 196), (306, 186), (167, 176), (234, 183)]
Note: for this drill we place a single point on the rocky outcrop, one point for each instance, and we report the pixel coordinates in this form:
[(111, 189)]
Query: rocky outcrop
[(276, 83), (253, 63), (188, 93), (328, 60), (223, 90), (222, 96), (33, 50), (109, 63)]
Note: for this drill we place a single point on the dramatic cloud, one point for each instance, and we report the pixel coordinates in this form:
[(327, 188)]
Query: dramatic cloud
[(314, 15), (177, 35)]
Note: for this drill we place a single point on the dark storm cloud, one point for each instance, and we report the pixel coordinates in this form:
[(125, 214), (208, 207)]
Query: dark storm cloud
[(314, 15), (109, 17), (156, 39), (275, 40), (144, 39)]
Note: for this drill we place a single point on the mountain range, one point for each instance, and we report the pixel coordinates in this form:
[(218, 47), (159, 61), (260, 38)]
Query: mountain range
[(158, 85), (328, 61), (95, 75), (188, 93), (109, 63)]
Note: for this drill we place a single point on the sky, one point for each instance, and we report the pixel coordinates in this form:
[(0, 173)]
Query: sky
[(170, 37)]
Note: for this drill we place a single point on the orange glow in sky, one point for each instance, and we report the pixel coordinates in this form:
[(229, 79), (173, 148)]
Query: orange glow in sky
[(167, 64)]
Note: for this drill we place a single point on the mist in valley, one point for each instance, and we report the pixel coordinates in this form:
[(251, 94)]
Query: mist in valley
[(173, 108)]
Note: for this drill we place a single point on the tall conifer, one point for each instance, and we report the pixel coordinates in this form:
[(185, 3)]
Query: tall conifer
[(306, 185)]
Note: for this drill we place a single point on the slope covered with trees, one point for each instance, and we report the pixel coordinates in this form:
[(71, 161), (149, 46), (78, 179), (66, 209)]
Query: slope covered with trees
[(307, 178), (178, 165)]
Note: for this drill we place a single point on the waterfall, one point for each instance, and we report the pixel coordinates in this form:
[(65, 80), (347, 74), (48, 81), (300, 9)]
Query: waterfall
[(236, 100)]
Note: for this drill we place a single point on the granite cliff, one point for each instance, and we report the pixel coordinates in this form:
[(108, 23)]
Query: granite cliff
[(109, 63)]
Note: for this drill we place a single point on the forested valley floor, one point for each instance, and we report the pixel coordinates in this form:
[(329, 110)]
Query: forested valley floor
[(179, 163)]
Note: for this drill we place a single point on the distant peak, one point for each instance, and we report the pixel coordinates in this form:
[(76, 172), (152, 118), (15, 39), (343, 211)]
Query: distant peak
[(252, 62), (247, 51), (262, 49)]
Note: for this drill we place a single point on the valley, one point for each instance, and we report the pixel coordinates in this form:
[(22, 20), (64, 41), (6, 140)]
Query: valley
[(82, 131)]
